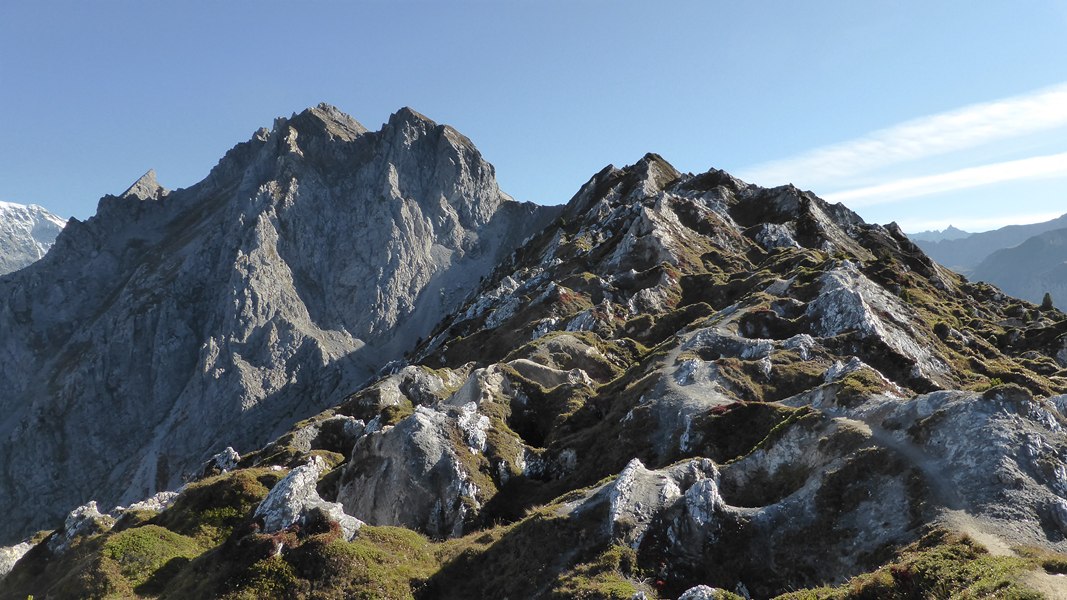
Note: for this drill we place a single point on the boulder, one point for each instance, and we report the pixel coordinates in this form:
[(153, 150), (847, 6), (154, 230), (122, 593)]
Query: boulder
[(296, 501)]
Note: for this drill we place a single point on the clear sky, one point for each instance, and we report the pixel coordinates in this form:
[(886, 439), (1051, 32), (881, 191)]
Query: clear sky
[(926, 113)]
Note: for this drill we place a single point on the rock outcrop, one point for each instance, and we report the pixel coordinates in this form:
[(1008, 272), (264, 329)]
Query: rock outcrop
[(295, 501), (175, 322), (26, 234)]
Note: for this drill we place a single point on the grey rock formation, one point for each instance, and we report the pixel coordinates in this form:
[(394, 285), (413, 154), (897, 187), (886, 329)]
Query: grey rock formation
[(9, 555), (417, 461), (639, 495), (295, 501), (26, 234), (703, 592), (223, 461), (80, 522), (173, 322), (159, 502)]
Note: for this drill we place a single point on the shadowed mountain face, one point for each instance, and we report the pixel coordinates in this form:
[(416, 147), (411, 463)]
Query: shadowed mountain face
[(1031, 269), (26, 234), (949, 233), (682, 381), (964, 254), (175, 323)]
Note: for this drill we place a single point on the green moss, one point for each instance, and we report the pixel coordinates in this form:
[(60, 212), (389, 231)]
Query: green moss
[(516, 560), (210, 509), (382, 562), (391, 415), (147, 556), (272, 577), (613, 574), (857, 386), (941, 565)]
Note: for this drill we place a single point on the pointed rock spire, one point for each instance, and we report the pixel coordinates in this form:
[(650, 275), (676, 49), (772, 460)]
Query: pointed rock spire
[(146, 188), (329, 120)]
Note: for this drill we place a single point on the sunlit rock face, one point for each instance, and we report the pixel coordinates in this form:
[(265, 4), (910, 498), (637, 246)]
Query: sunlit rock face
[(175, 323)]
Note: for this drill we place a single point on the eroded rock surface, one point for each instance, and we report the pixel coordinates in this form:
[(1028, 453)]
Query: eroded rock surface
[(175, 322)]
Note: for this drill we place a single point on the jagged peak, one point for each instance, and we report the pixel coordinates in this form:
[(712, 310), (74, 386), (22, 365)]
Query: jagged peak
[(408, 115), (145, 188), (652, 160), (327, 119)]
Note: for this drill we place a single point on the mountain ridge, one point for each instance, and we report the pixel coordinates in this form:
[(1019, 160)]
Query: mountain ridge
[(675, 386), (964, 254)]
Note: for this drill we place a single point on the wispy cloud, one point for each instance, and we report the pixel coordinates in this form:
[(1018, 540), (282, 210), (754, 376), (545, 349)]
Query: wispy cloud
[(963, 128), (1048, 166)]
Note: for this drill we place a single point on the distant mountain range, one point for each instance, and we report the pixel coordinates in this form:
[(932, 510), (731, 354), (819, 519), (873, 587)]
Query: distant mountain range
[(964, 254), (933, 235), (1023, 260), (1030, 269)]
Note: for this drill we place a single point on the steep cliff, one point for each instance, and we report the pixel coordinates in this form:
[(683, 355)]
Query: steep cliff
[(175, 323)]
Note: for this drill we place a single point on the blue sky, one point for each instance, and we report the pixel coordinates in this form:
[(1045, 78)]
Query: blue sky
[(898, 109)]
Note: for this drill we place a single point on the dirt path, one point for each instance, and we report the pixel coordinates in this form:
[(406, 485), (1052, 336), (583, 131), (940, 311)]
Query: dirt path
[(954, 517)]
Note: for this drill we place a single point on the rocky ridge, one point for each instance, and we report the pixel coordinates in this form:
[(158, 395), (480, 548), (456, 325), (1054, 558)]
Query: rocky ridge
[(26, 234), (685, 386), (175, 323)]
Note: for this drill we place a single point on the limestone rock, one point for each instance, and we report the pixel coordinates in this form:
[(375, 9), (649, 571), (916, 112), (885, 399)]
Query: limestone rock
[(295, 501), (702, 592), (9, 555), (82, 521), (417, 461), (309, 257), (222, 462), (639, 494), (156, 503)]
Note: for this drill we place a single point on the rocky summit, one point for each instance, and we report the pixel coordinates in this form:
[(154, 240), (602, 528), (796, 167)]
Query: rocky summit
[(676, 386), (175, 323)]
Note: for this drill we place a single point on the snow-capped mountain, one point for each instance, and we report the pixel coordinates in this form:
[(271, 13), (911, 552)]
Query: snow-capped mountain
[(26, 234)]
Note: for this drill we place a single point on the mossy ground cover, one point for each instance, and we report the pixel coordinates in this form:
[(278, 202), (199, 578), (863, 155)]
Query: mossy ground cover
[(941, 565), (209, 510)]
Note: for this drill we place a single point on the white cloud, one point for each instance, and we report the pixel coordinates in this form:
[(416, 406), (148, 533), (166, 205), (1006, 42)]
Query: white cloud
[(951, 131), (1049, 166)]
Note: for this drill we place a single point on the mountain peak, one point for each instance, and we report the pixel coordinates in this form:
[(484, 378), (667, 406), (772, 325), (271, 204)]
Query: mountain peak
[(407, 114), (146, 188), (26, 234), (328, 119)]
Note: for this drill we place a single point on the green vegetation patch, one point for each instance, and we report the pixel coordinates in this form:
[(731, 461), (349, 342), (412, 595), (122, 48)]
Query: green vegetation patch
[(614, 574), (148, 556), (940, 565), (209, 510)]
